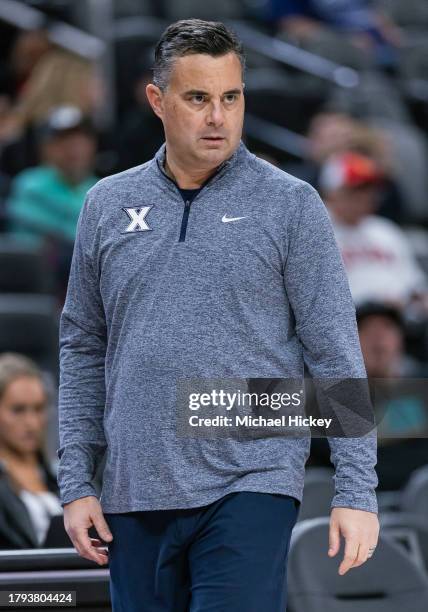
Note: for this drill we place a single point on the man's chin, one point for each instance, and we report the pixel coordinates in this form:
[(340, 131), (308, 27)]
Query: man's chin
[(215, 154)]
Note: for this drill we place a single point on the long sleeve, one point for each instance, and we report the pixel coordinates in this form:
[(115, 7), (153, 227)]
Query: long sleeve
[(82, 343), (318, 291)]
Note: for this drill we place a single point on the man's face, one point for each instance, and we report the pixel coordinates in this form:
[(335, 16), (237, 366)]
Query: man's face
[(329, 133), (381, 343), (73, 154), (202, 109), (350, 206)]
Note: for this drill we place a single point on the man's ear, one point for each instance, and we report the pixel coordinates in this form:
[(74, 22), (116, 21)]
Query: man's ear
[(155, 98)]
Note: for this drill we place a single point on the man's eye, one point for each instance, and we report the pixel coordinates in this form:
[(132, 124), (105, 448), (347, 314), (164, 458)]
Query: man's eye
[(198, 98), (231, 98)]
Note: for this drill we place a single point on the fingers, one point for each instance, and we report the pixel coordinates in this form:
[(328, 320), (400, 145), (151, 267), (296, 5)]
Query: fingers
[(101, 526), (362, 556), (101, 547), (363, 553), (79, 516), (360, 529), (350, 555), (85, 547), (334, 539)]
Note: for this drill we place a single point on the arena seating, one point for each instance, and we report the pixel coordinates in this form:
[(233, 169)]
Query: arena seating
[(389, 582)]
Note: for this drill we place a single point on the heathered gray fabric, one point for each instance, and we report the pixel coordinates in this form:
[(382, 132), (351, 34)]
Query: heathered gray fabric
[(253, 298)]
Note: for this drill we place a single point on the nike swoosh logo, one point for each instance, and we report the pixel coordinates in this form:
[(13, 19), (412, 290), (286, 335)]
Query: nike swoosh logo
[(226, 219)]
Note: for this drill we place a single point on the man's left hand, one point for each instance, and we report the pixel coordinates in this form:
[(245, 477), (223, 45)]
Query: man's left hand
[(360, 530)]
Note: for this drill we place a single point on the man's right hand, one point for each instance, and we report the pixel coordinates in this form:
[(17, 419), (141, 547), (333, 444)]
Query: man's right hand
[(79, 516)]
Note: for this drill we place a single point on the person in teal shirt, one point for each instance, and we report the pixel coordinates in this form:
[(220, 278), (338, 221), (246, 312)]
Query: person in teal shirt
[(45, 201)]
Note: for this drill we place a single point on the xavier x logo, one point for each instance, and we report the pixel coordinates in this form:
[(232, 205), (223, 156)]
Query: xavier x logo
[(137, 216)]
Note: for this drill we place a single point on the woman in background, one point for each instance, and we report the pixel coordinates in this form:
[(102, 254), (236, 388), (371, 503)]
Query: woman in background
[(28, 486)]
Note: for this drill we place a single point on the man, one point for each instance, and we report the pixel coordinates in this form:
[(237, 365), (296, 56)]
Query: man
[(46, 200), (205, 262), (381, 329), (376, 253), (397, 380)]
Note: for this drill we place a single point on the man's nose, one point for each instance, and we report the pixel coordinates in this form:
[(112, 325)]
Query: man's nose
[(215, 115)]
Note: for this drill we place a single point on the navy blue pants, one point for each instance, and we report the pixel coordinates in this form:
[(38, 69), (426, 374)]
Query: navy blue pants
[(227, 556)]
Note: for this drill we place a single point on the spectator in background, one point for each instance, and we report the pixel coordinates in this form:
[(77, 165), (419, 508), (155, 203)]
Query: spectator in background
[(16, 143), (43, 76), (28, 486), (400, 401), (368, 28), (381, 330), (376, 253), (140, 134), (28, 48), (45, 201), (331, 132)]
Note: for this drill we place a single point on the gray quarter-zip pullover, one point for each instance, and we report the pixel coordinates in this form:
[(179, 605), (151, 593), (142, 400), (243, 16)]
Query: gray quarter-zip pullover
[(160, 290)]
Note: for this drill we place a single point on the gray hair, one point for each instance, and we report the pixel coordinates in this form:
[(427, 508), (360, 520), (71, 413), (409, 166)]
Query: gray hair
[(190, 36)]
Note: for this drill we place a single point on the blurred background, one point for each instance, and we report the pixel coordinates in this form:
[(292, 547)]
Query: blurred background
[(336, 94)]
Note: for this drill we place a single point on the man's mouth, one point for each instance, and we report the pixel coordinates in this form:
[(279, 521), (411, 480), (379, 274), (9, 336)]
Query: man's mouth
[(213, 137)]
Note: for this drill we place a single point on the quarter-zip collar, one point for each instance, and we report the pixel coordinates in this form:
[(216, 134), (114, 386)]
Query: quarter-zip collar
[(240, 152), (237, 156)]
